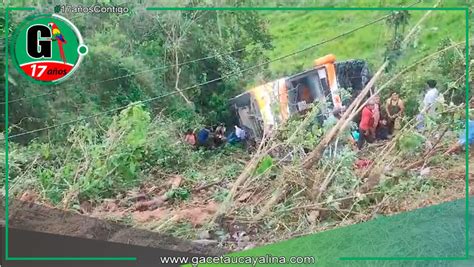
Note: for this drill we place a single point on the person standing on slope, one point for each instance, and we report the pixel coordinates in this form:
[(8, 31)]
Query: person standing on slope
[(366, 125), (394, 110), (428, 106)]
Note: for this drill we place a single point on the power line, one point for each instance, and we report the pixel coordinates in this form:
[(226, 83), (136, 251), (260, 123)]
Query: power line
[(151, 70), (204, 83), (164, 67), (130, 75)]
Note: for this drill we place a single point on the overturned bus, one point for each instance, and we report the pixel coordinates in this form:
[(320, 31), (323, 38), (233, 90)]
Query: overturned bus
[(274, 102)]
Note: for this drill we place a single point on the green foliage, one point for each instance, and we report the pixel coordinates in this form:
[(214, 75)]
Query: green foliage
[(345, 179), (220, 195), (90, 164), (393, 52), (133, 122), (2, 44), (397, 20), (164, 151), (304, 131), (116, 160), (447, 69), (412, 106), (232, 170), (295, 30), (93, 164), (410, 143), (53, 189), (179, 193), (264, 165), (411, 185), (184, 230), (132, 57), (451, 64)]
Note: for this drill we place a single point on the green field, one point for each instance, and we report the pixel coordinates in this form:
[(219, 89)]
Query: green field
[(294, 30)]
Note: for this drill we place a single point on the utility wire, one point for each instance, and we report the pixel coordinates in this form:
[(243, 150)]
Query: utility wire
[(208, 82), (205, 83), (129, 75), (173, 65)]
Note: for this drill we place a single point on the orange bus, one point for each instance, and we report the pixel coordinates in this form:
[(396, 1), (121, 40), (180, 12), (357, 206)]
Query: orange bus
[(271, 103)]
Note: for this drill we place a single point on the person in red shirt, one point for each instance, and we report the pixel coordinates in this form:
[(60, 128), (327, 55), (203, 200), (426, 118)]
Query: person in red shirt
[(366, 125)]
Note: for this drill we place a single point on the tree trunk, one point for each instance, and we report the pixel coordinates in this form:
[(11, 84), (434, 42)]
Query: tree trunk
[(317, 153)]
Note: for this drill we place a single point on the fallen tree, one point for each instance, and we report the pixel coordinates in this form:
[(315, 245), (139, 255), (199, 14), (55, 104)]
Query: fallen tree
[(351, 111), (316, 154)]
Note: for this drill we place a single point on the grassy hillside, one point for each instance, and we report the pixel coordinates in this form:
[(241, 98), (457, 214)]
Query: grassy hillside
[(294, 30)]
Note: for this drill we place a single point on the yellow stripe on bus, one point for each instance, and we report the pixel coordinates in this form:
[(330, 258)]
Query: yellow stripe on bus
[(283, 98), (263, 101)]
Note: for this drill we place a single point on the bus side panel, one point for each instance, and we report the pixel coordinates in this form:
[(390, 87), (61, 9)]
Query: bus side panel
[(272, 90), (283, 97)]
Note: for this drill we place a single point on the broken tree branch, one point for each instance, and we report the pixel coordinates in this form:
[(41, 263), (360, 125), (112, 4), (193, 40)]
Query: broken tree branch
[(349, 114), (178, 72), (243, 177)]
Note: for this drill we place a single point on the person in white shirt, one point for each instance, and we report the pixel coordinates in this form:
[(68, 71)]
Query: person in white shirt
[(429, 104), (431, 97), (236, 136), (239, 133)]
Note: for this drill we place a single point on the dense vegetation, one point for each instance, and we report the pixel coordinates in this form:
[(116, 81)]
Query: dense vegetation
[(132, 57), (148, 54), (142, 55)]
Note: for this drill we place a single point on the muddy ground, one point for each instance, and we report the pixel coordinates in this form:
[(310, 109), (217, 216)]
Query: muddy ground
[(34, 217)]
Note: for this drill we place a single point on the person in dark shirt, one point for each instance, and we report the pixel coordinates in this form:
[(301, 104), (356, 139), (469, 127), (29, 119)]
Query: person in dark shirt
[(382, 131), (219, 135), (203, 137)]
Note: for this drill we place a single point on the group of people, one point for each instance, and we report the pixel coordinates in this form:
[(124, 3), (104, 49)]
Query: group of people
[(379, 123), (212, 137)]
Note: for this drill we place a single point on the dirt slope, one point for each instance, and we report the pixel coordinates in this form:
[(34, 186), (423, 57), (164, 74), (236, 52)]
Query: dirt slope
[(33, 217)]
